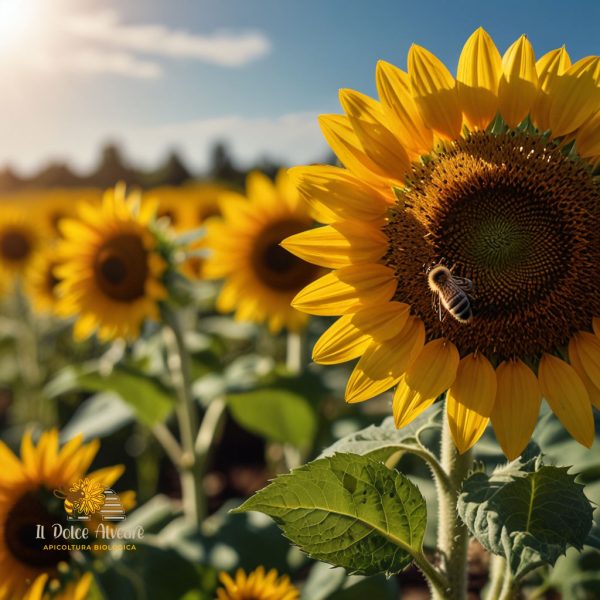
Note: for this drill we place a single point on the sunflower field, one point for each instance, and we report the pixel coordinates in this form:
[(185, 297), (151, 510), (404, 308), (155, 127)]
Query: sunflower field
[(370, 379)]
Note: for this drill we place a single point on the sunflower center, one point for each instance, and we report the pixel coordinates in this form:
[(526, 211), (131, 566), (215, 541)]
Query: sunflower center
[(20, 529), (121, 267), (519, 219), (14, 246), (275, 266)]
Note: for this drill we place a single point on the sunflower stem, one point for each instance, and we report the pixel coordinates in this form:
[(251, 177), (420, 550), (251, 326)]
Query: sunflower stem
[(295, 351), (498, 571), (194, 502), (453, 536)]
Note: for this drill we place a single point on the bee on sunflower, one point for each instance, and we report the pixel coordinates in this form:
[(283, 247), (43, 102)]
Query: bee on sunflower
[(112, 267), (27, 500), (261, 277), (491, 174), (257, 585)]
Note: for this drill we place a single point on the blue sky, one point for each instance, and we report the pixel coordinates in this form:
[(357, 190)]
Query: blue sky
[(160, 74)]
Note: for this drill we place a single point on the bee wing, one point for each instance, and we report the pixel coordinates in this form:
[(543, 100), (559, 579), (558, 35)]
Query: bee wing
[(464, 283)]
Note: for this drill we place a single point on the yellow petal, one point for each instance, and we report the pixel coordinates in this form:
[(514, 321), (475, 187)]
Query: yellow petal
[(336, 194), (471, 400), (351, 335), (550, 69), (596, 325), (434, 90), (575, 360), (567, 397), (383, 363), (576, 97), (368, 121), (587, 347), (347, 147), (347, 290), (431, 373), (587, 139), (517, 406), (519, 82), (260, 188), (477, 78), (339, 245), (393, 86)]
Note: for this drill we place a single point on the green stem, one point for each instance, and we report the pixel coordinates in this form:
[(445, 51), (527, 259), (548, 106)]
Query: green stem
[(210, 428), (498, 571), (453, 536), (194, 502), (509, 588), (295, 352)]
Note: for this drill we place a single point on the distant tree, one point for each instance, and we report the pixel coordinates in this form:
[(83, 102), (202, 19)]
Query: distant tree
[(9, 180), (55, 174), (222, 167), (172, 172), (111, 169)]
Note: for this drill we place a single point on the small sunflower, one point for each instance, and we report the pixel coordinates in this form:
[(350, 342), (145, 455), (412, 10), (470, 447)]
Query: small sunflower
[(20, 239), (41, 282), (110, 268), (257, 585), (174, 207), (492, 175), (42, 590), (261, 277), (27, 499)]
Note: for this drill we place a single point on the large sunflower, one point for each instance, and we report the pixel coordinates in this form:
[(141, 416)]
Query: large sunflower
[(492, 175), (257, 585), (261, 277), (27, 486), (110, 268)]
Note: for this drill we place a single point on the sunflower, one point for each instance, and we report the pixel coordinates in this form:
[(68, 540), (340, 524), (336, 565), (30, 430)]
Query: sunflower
[(110, 268), (77, 590), (261, 277), (27, 487), (41, 282), (258, 585), (20, 239), (174, 207), (491, 175)]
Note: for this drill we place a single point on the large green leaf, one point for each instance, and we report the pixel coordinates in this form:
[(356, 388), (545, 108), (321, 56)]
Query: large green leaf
[(276, 414), (347, 510), (151, 401), (530, 518)]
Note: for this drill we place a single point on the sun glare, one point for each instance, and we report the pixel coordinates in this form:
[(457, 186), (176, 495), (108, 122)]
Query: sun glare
[(15, 17)]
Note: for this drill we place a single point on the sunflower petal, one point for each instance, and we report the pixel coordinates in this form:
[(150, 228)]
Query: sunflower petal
[(575, 360), (477, 78), (550, 68), (347, 290), (519, 82), (576, 97), (567, 397), (383, 363), (340, 245), (587, 140), (517, 406), (471, 400), (393, 86), (434, 90)]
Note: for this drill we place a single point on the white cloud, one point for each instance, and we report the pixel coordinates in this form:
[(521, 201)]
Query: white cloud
[(220, 48)]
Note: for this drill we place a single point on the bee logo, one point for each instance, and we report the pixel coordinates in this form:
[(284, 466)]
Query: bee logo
[(88, 497), (450, 292)]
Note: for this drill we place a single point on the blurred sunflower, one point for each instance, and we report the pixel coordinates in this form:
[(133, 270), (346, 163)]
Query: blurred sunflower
[(173, 206), (261, 277), (258, 585), (78, 590), (20, 239), (27, 499), (110, 268), (492, 175), (55, 205), (41, 282)]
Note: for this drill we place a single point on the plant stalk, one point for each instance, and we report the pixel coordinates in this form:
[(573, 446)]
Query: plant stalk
[(453, 536)]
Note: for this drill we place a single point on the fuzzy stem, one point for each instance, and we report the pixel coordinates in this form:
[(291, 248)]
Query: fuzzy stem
[(194, 502), (498, 571), (453, 536)]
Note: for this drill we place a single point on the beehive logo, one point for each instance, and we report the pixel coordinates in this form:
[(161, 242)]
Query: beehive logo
[(87, 498)]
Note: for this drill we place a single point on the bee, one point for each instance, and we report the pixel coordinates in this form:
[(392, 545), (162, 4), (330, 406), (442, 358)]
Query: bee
[(69, 499), (451, 292)]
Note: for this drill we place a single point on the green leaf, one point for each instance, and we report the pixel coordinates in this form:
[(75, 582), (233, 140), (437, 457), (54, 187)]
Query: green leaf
[(151, 401), (348, 510), (276, 414), (380, 442), (530, 518)]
